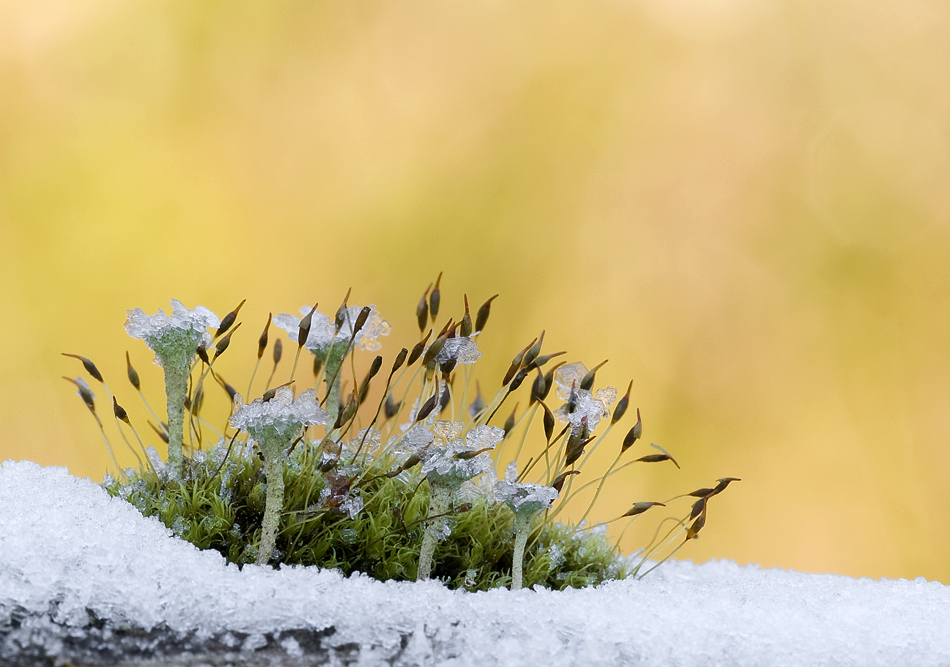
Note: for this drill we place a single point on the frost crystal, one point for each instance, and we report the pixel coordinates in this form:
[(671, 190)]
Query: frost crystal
[(453, 460), (370, 442), (462, 350), (580, 403), (522, 497), (352, 506), (174, 338), (323, 331), (416, 440), (281, 416)]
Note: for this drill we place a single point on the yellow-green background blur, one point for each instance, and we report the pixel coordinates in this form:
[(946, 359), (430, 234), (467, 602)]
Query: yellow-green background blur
[(743, 205)]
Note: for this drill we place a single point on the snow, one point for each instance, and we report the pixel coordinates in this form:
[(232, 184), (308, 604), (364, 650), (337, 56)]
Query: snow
[(67, 550)]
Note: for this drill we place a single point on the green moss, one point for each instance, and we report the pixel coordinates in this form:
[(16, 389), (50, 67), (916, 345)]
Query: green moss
[(358, 500), (220, 507)]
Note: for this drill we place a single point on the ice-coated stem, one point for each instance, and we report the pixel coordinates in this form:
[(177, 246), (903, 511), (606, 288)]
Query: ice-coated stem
[(439, 499), (522, 523), (273, 452), (176, 386)]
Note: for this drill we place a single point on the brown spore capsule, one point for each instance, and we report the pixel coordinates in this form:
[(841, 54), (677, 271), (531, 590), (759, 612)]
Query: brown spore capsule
[(120, 412), (465, 326), (203, 354), (444, 399), (510, 422), (696, 527), (538, 388), (481, 317), (548, 421), (478, 405), (516, 364), (84, 393), (228, 319), (533, 351), (224, 342), (361, 320), (400, 360), (633, 434), (427, 407), (88, 365), (303, 331), (391, 407), (558, 482), (622, 405), (232, 392), (435, 299), (518, 379), (417, 349), (340, 318), (422, 310), (588, 381), (448, 366), (434, 349), (133, 374), (262, 341), (543, 359), (641, 507), (163, 434), (574, 453)]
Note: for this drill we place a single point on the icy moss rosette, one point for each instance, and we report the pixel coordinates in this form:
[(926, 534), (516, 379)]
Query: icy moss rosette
[(331, 339), (525, 500), (174, 339), (448, 462), (274, 424)]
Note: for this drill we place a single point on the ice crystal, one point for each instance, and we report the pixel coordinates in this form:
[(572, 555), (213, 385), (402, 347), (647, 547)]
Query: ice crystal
[(282, 415), (367, 443), (580, 403), (174, 338), (522, 497), (454, 460), (352, 506), (462, 350), (415, 440), (323, 332)]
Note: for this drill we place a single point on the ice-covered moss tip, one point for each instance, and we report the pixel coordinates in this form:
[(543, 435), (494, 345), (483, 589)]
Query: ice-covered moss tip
[(404, 486)]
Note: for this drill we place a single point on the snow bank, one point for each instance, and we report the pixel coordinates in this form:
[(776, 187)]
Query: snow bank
[(70, 555)]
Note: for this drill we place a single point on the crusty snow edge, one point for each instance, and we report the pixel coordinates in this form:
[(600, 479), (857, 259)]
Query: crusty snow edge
[(66, 545)]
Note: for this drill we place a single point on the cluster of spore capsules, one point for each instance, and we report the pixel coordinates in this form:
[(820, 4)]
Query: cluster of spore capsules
[(405, 486)]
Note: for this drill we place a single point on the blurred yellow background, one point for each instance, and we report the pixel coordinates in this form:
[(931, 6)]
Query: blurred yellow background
[(743, 205)]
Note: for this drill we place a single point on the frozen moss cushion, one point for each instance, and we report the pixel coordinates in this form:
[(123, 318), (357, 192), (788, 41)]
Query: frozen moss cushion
[(69, 552)]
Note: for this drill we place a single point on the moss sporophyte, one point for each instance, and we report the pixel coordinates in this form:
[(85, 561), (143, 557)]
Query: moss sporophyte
[(403, 487)]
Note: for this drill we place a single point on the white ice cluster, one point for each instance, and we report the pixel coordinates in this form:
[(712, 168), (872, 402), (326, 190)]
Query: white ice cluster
[(323, 331), (462, 350), (69, 552), (281, 416), (524, 498), (451, 459), (579, 403), (414, 441), (172, 337)]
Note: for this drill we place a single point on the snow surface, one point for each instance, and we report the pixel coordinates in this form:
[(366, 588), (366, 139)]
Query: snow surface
[(67, 549)]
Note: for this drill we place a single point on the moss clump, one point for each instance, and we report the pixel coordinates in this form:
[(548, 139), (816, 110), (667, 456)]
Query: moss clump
[(219, 505), (389, 486)]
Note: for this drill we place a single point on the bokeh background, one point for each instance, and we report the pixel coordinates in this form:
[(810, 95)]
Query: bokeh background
[(743, 205)]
